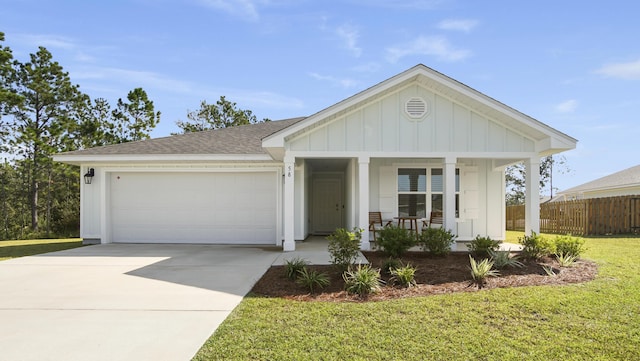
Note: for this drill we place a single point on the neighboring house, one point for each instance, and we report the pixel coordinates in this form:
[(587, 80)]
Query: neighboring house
[(415, 143), (623, 183)]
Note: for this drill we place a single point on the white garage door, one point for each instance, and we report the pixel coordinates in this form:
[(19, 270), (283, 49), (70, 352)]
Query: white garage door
[(226, 208)]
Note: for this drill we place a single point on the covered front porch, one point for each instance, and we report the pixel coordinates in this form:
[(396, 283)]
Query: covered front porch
[(321, 194)]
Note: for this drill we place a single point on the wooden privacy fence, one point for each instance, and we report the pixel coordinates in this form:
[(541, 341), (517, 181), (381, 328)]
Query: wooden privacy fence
[(595, 216)]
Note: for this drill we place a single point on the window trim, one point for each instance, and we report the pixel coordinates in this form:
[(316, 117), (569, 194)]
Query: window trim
[(428, 193)]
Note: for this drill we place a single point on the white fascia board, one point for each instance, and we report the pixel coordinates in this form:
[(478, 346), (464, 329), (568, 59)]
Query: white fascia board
[(510, 156), (155, 158)]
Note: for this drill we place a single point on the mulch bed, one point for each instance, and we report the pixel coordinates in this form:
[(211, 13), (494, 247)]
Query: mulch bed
[(434, 275)]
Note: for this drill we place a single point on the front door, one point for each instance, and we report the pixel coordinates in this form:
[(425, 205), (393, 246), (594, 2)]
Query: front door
[(327, 205)]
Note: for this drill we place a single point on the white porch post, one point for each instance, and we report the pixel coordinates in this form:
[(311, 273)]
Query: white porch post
[(363, 201), (532, 196), (289, 243), (449, 182)]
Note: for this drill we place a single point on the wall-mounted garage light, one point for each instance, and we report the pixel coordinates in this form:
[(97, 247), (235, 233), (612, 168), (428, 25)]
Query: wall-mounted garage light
[(88, 177)]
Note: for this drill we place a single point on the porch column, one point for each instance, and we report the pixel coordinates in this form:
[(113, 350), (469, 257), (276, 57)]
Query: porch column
[(532, 196), (449, 174), (289, 243), (363, 201)]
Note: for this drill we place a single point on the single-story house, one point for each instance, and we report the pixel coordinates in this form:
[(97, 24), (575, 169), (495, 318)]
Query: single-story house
[(412, 144), (623, 183)]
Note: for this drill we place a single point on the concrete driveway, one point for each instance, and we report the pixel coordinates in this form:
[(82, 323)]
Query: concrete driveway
[(122, 301)]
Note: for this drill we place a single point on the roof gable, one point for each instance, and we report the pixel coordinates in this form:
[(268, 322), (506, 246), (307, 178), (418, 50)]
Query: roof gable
[(629, 177), (546, 139)]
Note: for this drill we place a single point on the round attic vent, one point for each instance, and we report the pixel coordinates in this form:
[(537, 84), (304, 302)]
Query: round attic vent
[(416, 108)]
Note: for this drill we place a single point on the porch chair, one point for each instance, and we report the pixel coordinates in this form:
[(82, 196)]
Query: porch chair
[(434, 218), (376, 223)]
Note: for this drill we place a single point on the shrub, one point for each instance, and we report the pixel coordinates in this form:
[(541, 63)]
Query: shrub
[(293, 266), (480, 271), (362, 281), (436, 241), (312, 280), (394, 240), (480, 246), (390, 264), (404, 275), (344, 247), (502, 259), (569, 246), (536, 246)]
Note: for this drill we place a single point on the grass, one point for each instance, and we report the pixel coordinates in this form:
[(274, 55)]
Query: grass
[(14, 249), (593, 321)]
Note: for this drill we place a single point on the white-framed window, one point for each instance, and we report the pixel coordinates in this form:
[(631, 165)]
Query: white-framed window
[(421, 191)]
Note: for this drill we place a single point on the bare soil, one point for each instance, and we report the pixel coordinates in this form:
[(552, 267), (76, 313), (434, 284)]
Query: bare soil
[(434, 275)]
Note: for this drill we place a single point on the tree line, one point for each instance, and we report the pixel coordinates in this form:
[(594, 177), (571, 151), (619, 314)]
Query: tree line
[(43, 113)]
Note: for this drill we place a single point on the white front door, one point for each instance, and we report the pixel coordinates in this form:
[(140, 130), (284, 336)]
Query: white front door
[(327, 205)]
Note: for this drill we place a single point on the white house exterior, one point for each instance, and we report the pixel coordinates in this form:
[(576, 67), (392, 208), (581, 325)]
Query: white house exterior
[(417, 142)]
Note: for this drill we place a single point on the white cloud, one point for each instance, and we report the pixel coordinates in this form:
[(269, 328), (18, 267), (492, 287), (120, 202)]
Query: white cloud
[(568, 106), (349, 34), (427, 45), (465, 25), (370, 67), (404, 4), (133, 78), (247, 9), (344, 82), (629, 71), (46, 40)]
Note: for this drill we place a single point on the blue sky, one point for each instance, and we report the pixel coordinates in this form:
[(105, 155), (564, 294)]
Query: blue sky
[(574, 65)]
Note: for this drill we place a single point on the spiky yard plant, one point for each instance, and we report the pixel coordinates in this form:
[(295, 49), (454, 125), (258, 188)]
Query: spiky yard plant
[(293, 266), (482, 270), (502, 259), (362, 280), (312, 280), (566, 259), (404, 275)]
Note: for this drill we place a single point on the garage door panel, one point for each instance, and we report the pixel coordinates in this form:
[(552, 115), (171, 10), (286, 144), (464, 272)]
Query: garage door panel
[(236, 208)]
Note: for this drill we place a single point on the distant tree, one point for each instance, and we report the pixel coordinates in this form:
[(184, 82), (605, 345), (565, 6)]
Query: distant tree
[(42, 120), (222, 114), (8, 96), (134, 120), (95, 124), (516, 175)]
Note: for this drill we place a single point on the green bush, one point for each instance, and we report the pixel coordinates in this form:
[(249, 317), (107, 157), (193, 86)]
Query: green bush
[(394, 240), (482, 270), (502, 259), (536, 246), (436, 241), (480, 246), (293, 266), (312, 280), (362, 281), (569, 246), (344, 247), (404, 275)]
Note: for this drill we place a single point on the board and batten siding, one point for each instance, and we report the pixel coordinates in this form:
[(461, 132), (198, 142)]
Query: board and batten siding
[(383, 126)]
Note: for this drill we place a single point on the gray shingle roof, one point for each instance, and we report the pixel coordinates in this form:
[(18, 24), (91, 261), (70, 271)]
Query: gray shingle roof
[(624, 178), (245, 139)]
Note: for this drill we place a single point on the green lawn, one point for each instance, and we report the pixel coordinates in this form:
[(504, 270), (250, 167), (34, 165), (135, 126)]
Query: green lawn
[(13, 249), (599, 320)]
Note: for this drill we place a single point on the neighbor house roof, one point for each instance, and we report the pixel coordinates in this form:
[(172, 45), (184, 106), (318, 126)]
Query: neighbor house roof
[(626, 178), (240, 140)]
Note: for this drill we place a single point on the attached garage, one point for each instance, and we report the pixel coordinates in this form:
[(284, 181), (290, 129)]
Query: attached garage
[(193, 207)]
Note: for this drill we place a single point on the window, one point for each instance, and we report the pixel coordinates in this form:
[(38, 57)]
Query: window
[(414, 190)]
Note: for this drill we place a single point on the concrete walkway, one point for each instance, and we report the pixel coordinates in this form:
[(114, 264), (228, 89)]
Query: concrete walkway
[(122, 302), (131, 301)]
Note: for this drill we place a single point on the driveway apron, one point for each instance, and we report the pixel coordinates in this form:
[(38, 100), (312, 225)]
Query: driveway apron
[(122, 301)]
